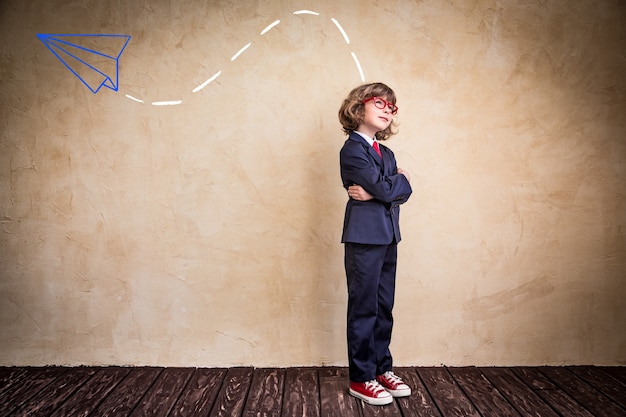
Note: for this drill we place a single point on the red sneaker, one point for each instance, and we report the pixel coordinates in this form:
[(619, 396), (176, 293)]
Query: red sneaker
[(393, 384), (371, 392)]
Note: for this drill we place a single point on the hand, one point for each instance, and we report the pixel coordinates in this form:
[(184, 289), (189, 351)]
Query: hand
[(405, 173), (356, 192)]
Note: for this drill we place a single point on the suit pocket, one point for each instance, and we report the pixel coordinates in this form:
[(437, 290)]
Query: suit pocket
[(363, 214)]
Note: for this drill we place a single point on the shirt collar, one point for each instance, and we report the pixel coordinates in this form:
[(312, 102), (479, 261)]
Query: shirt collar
[(367, 138)]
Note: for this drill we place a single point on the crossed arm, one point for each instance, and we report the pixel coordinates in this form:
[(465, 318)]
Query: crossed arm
[(356, 192)]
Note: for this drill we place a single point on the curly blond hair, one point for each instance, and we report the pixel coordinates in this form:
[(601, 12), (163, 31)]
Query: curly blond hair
[(352, 110)]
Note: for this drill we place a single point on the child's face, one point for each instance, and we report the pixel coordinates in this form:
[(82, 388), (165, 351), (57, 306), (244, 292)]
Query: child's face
[(378, 115)]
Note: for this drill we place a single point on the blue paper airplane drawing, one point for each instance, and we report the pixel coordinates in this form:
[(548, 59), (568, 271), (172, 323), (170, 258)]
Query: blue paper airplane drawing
[(94, 59)]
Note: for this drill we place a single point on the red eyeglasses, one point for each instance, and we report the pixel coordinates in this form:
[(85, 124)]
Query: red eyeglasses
[(381, 103)]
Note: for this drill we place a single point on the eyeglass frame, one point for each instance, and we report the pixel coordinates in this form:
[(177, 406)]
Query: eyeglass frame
[(394, 109)]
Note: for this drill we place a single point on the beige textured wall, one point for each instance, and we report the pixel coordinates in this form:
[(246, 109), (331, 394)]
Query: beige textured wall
[(207, 233)]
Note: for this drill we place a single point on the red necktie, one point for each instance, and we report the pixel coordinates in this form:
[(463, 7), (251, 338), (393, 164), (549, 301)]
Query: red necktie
[(377, 149)]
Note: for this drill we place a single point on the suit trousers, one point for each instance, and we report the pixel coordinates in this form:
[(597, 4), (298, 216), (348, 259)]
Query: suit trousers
[(371, 276)]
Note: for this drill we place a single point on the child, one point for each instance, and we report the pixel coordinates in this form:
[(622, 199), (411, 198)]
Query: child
[(376, 188)]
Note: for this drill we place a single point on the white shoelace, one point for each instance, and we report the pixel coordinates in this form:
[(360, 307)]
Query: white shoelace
[(393, 377), (374, 386)]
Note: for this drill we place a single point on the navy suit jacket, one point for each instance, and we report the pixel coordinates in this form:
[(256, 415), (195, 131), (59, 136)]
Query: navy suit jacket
[(374, 222)]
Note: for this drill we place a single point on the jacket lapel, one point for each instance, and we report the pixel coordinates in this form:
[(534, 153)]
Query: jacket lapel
[(370, 149)]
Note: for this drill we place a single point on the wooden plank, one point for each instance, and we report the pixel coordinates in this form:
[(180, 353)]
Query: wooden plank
[(419, 403), (520, 395), (126, 395), (577, 391), (485, 397), (301, 397), (161, 396), (265, 397), (617, 372), (33, 380), (8, 375), (446, 393), (598, 404), (563, 403), (336, 401), (603, 382), (200, 393), (550, 393), (533, 378), (87, 398), (232, 395), (55, 393)]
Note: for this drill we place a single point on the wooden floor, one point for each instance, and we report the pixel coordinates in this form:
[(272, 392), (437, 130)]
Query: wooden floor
[(299, 392)]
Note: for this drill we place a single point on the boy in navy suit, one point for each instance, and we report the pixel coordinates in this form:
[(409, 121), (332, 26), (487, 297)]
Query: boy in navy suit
[(376, 189)]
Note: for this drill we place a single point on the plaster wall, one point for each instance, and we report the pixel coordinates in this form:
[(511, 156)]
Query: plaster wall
[(207, 232)]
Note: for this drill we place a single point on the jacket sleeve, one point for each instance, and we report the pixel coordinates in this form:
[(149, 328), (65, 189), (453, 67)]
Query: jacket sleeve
[(358, 168)]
